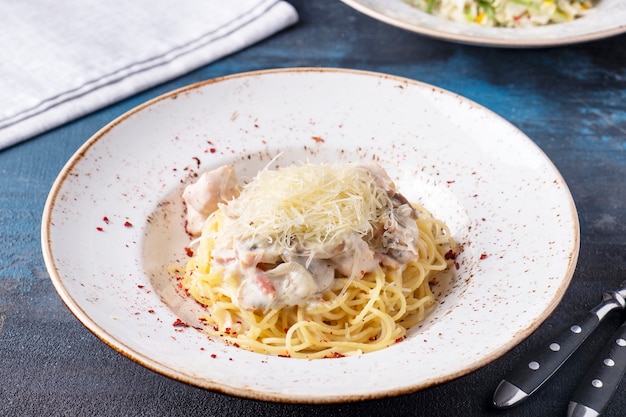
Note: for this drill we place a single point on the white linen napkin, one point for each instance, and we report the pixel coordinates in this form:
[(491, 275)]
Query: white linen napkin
[(62, 59)]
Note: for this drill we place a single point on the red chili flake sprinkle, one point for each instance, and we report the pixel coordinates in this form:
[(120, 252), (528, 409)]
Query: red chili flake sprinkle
[(179, 323), (140, 286), (195, 158), (483, 256), (99, 229), (335, 355), (105, 219), (373, 338), (450, 255), (400, 339), (456, 265), (318, 139), (450, 181), (236, 345), (227, 330), (189, 252), (212, 150), (213, 355), (128, 224), (201, 348), (151, 311)]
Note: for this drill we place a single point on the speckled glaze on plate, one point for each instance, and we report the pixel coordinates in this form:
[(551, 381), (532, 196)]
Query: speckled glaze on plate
[(114, 221), (608, 18)]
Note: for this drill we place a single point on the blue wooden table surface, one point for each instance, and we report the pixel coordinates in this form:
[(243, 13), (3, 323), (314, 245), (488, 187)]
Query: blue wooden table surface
[(570, 100)]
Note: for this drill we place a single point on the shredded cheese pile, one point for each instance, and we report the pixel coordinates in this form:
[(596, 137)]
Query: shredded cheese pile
[(307, 207)]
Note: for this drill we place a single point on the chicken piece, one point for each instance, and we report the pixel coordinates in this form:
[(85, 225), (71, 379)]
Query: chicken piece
[(356, 259), (203, 196), (380, 176), (288, 284)]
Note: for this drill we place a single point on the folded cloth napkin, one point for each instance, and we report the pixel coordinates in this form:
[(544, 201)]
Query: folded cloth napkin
[(62, 59)]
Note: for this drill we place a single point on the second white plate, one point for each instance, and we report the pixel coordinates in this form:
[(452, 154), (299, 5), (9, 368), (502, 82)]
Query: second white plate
[(608, 18)]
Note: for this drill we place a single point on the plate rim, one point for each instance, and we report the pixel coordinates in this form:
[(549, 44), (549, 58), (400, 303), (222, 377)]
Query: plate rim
[(250, 393)]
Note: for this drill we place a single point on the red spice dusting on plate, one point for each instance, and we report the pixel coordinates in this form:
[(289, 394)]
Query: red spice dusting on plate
[(179, 323), (128, 224), (213, 355), (151, 311), (483, 256), (450, 255), (105, 219), (99, 229), (318, 139), (189, 252)]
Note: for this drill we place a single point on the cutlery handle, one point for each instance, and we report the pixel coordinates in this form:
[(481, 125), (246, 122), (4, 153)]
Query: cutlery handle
[(541, 364), (602, 378)]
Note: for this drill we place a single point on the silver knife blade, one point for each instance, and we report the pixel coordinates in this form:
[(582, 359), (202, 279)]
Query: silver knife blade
[(539, 366)]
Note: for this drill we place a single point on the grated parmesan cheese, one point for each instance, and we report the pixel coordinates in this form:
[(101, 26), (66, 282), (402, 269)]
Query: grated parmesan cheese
[(307, 209)]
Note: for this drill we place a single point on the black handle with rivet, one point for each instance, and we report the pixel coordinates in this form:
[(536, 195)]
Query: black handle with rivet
[(602, 378), (531, 373), (542, 363)]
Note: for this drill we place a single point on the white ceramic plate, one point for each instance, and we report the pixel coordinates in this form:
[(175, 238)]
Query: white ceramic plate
[(114, 221), (608, 18)]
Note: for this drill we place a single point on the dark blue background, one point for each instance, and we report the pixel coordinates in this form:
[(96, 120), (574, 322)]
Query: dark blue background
[(570, 100)]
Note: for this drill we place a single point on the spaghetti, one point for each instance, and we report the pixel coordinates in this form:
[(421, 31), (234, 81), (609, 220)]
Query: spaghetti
[(315, 261)]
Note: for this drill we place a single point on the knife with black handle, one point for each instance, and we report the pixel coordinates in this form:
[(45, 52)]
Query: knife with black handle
[(601, 380), (531, 373)]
